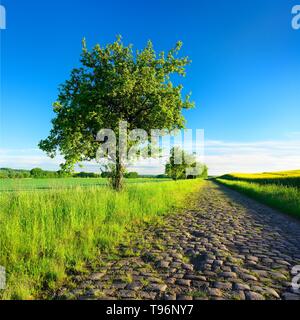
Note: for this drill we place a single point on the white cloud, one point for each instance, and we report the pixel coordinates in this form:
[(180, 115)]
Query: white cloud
[(220, 156), (223, 157)]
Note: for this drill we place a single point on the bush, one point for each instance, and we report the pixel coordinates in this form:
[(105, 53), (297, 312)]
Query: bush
[(86, 175), (7, 173), (162, 176), (131, 175)]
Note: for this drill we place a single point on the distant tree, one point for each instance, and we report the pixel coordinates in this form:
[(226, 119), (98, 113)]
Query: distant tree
[(7, 173), (131, 175), (25, 174), (183, 165), (115, 84), (3, 175), (21, 174), (173, 169), (201, 171), (62, 174), (37, 173), (40, 173), (86, 175), (161, 176), (105, 174)]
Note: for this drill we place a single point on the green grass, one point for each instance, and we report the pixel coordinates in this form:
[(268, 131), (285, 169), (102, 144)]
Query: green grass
[(32, 184), (45, 234), (284, 198)]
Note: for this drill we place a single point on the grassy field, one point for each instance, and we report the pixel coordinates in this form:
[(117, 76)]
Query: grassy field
[(283, 178), (280, 190), (63, 183), (44, 234)]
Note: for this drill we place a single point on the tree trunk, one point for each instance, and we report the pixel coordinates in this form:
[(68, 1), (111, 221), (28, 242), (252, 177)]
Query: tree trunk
[(117, 175)]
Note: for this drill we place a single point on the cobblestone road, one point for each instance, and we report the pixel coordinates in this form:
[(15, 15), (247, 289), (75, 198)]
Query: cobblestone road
[(225, 246)]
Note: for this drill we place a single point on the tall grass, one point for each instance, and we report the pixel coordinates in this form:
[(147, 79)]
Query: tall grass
[(43, 234), (284, 198)]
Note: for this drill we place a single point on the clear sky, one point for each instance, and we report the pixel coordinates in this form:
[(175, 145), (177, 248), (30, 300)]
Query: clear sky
[(244, 74)]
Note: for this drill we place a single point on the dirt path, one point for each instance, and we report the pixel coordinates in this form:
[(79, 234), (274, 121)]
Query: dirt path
[(226, 247)]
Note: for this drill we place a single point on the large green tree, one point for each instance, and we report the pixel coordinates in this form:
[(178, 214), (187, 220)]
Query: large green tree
[(114, 84)]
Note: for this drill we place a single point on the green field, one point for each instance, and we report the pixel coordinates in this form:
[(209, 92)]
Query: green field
[(62, 183), (280, 190), (283, 178), (44, 234)]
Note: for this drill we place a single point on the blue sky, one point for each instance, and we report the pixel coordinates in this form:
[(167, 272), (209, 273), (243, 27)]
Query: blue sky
[(244, 76)]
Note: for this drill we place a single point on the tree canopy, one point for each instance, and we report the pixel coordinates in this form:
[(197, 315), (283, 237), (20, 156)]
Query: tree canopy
[(115, 83)]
